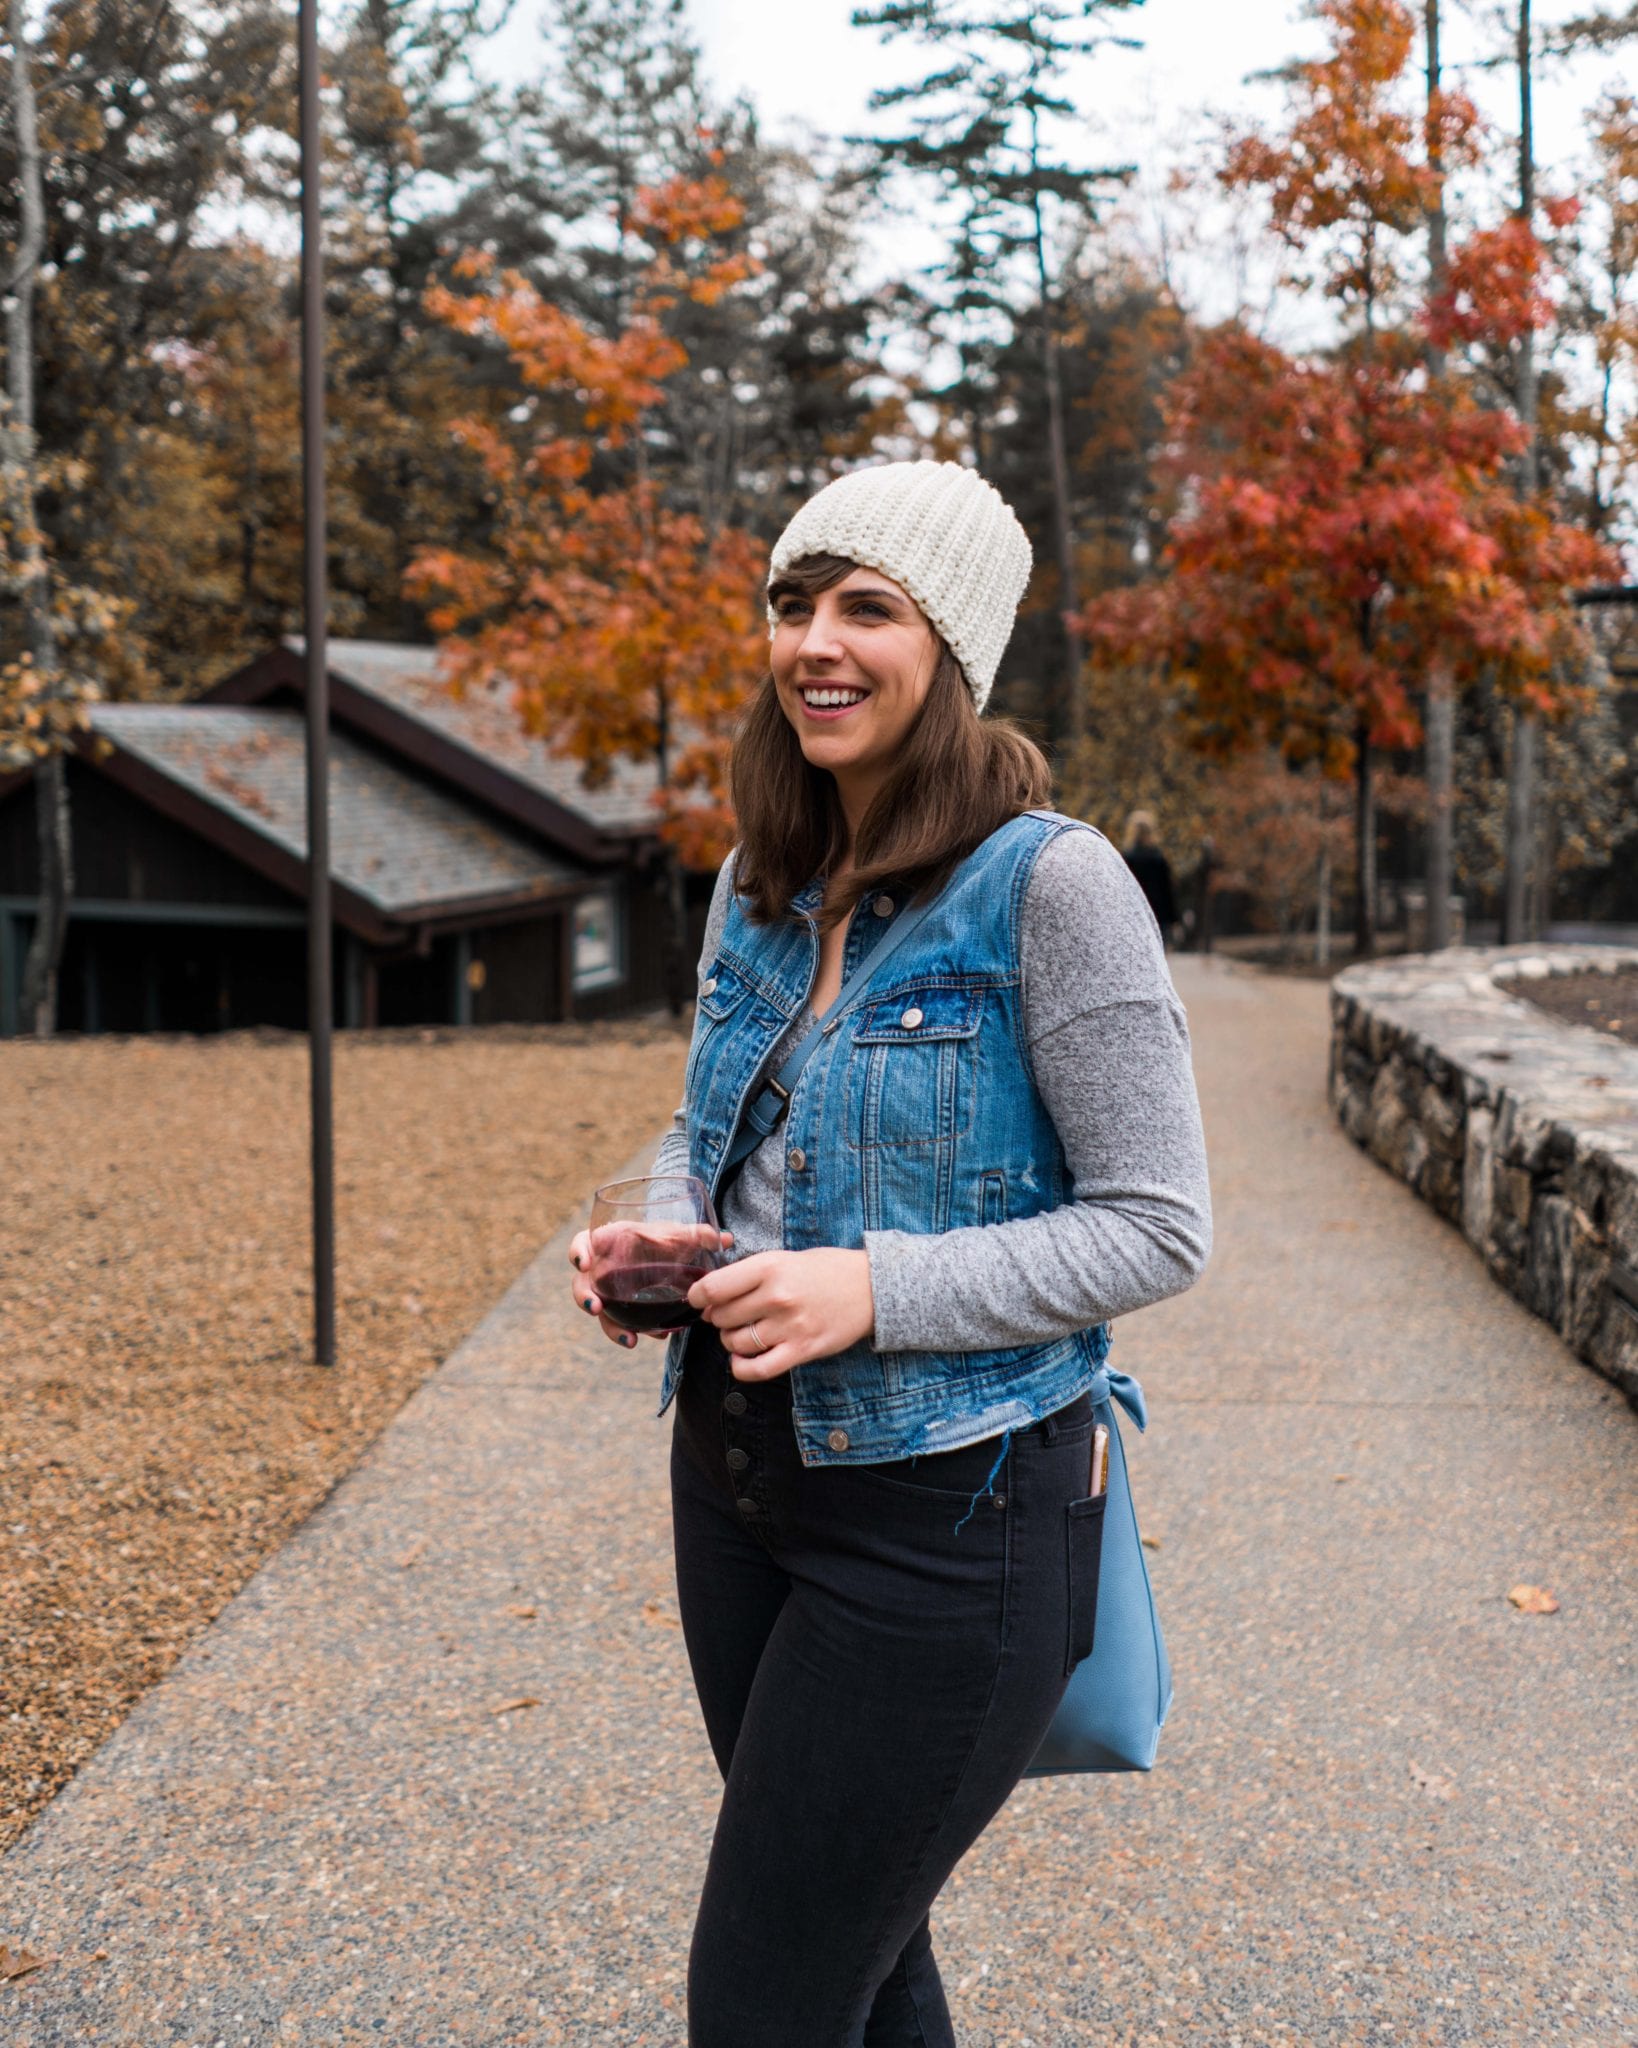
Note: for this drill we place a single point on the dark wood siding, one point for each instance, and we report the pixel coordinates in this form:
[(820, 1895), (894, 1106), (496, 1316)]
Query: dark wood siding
[(522, 972), (126, 852)]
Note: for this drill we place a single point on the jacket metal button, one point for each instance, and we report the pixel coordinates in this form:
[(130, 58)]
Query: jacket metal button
[(709, 988), (883, 906), (837, 1439), (735, 1402), (738, 1459), (796, 1159), (910, 1019), (747, 1506)]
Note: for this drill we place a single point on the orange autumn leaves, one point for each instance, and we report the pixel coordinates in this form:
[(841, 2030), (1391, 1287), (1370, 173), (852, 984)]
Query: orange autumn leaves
[(624, 628)]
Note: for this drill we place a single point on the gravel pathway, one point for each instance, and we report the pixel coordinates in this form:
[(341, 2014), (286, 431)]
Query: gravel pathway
[(1391, 1808)]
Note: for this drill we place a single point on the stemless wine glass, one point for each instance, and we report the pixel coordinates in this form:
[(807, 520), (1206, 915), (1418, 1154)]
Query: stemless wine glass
[(651, 1239)]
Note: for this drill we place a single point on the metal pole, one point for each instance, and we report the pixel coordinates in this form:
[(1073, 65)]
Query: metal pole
[(319, 996)]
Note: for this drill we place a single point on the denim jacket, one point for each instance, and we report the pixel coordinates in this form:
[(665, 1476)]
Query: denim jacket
[(918, 1112)]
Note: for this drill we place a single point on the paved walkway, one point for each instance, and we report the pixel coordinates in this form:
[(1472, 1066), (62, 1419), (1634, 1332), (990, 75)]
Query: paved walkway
[(1389, 1809)]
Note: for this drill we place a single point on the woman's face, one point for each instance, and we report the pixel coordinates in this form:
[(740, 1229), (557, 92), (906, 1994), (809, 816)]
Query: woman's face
[(852, 667)]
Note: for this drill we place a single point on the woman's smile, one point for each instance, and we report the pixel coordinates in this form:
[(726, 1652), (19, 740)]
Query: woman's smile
[(830, 700)]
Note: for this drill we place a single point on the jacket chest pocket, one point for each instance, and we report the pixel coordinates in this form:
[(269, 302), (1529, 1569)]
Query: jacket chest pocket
[(915, 1057), (721, 996)]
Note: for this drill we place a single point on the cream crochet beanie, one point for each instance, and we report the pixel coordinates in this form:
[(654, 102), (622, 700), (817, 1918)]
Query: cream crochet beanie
[(940, 531)]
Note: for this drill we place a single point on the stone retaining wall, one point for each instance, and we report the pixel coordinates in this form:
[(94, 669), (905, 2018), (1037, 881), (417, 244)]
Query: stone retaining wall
[(1520, 1129)]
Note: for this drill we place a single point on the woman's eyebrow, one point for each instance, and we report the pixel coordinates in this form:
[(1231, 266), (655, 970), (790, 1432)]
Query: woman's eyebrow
[(865, 590)]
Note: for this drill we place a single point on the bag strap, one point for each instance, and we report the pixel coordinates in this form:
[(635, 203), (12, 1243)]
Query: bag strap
[(763, 1112)]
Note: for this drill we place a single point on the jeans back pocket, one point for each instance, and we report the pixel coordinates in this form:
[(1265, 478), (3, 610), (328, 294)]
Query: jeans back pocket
[(1084, 1540)]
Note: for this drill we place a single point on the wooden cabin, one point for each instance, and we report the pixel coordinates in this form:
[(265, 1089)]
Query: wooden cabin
[(475, 877)]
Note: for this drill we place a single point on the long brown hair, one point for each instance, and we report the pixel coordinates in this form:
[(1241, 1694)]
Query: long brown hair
[(957, 778)]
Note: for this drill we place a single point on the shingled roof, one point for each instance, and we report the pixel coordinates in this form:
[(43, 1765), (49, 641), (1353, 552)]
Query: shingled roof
[(486, 722), (408, 850)]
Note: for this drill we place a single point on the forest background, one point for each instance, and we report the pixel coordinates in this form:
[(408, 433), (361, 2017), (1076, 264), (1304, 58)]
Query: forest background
[(1317, 430)]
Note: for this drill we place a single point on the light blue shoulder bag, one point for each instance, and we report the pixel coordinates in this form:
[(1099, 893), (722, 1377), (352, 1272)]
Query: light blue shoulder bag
[(1110, 1718), (1119, 1695)]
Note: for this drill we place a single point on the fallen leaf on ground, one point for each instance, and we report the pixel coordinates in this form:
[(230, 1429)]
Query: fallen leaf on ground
[(1534, 1600), (656, 1617), (18, 1962), (513, 1706), (1435, 1788), (409, 1557), (522, 1613), (1150, 1542)]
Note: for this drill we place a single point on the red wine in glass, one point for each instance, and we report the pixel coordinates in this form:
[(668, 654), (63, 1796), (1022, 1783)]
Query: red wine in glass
[(650, 1297), (651, 1239)]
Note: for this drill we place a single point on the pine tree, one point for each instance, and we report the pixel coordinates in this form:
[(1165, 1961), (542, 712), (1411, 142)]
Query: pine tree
[(979, 129)]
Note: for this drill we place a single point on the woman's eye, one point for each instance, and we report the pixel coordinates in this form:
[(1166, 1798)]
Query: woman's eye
[(876, 611)]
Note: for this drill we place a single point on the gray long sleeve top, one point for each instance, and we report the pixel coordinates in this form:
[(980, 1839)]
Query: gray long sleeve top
[(1109, 1044)]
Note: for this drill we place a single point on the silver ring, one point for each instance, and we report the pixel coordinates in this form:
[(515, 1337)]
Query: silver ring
[(757, 1335)]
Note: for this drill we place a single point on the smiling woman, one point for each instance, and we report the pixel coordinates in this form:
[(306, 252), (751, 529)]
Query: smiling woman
[(887, 1538)]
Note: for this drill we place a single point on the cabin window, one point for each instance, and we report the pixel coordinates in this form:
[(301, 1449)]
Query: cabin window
[(599, 941)]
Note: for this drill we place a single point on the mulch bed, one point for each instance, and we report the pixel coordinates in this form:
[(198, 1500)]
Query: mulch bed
[(1605, 1003), (164, 1426)]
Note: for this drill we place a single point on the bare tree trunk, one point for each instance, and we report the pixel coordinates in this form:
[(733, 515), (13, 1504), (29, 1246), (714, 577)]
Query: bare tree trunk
[(1322, 909), (1439, 720), (1073, 721), (1521, 779), (1440, 727), (1365, 843), (1074, 706), (39, 1004), (1521, 766), (1545, 865)]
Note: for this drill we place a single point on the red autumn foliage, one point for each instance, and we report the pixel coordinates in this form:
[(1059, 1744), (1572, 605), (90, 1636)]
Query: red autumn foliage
[(1348, 519)]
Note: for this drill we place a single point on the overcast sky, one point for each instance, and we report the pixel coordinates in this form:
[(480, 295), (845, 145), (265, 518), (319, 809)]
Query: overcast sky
[(803, 63), (808, 70)]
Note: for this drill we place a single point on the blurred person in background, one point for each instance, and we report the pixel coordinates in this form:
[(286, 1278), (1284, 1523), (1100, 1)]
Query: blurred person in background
[(1153, 870)]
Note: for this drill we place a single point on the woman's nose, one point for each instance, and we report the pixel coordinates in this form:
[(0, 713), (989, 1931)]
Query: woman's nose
[(820, 642)]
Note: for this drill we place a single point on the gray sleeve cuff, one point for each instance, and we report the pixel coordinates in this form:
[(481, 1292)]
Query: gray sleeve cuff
[(894, 1290)]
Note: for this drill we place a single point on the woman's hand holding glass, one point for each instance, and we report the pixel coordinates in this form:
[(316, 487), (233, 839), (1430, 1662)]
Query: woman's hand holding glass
[(774, 1310), (649, 1240)]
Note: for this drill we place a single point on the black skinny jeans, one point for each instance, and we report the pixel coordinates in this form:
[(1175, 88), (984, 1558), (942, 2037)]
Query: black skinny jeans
[(874, 1680)]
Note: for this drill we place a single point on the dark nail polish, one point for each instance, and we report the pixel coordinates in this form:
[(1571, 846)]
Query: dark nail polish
[(587, 1304), (629, 1342)]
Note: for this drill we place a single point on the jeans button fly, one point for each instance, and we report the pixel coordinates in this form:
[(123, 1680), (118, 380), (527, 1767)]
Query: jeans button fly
[(738, 1459), (735, 1402)]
